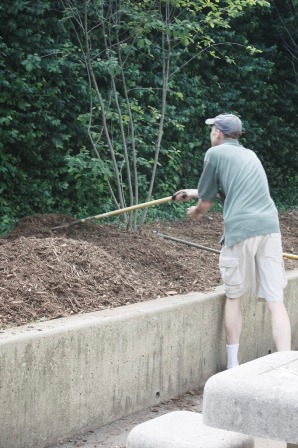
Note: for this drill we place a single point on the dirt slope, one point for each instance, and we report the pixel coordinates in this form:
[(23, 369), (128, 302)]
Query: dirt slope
[(47, 274)]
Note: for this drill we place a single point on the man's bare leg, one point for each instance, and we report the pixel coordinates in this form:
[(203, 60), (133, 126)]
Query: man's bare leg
[(233, 326), (281, 327)]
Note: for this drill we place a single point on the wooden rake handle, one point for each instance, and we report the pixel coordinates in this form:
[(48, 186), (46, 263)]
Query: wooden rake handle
[(118, 212), (290, 256)]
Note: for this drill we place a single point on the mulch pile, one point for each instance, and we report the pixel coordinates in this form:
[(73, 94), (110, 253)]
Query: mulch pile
[(46, 274)]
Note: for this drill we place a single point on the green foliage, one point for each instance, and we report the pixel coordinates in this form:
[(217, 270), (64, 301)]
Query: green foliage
[(85, 183), (223, 57), (38, 88)]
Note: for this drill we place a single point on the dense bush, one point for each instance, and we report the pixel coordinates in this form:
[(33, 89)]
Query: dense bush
[(48, 162)]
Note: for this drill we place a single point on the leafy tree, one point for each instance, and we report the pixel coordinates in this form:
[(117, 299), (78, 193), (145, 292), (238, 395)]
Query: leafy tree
[(131, 51)]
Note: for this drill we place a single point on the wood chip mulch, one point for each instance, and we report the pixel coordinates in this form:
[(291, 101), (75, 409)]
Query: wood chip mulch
[(46, 274)]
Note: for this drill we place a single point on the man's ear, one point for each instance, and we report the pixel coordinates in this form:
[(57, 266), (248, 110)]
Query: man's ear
[(220, 135)]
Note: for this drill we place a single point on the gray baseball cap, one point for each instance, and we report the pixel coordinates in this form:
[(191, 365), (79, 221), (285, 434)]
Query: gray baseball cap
[(226, 123)]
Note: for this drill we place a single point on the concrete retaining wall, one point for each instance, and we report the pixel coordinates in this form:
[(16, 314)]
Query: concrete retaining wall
[(71, 375)]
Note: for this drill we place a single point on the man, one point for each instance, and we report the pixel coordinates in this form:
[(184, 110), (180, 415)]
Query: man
[(251, 254)]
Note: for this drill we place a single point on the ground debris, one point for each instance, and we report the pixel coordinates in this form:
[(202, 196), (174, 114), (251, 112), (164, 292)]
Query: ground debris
[(48, 274)]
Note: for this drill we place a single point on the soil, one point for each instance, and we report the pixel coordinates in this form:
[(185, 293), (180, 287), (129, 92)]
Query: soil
[(91, 266)]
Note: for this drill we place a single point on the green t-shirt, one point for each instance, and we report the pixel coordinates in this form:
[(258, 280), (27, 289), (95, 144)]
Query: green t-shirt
[(238, 176)]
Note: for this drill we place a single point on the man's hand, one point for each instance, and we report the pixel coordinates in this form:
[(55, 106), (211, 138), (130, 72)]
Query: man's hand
[(194, 213), (197, 211), (185, 195)]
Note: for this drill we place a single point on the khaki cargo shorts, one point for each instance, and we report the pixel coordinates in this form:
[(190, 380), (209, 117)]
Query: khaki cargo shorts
[(255, 265)]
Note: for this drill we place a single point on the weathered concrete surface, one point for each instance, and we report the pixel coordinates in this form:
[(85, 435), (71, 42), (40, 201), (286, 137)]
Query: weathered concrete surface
[(184, 429), (71, 375), (259, 398)]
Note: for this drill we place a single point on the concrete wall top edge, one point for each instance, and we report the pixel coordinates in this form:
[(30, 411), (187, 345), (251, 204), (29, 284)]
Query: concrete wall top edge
[(79, 321), (292, 274)]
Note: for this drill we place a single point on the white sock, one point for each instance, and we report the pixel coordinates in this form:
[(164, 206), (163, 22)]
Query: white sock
[(232, 355)]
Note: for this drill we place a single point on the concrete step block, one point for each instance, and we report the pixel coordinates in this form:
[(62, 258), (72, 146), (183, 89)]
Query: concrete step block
[(184, 429), (259, 398)]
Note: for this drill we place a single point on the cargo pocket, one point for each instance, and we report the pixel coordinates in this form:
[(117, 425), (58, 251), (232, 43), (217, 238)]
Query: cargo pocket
[(229, 269)]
